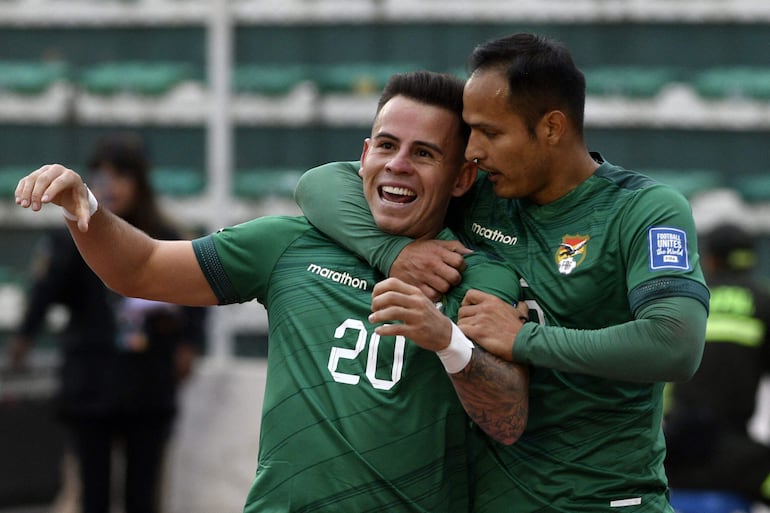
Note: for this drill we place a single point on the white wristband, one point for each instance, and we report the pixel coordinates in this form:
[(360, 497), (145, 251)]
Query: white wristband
[(458, 353), (93, 205)]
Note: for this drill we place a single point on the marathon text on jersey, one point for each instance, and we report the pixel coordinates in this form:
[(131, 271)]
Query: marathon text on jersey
[(493, 235), (336, 276)]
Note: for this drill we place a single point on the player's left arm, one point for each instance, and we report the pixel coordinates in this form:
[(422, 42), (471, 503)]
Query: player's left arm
[(494, 393)]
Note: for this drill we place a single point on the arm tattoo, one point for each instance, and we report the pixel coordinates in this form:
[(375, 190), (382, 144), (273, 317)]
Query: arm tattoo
[(495, 394)]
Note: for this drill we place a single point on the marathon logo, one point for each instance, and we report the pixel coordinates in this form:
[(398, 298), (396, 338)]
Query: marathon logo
[(668, 249), (494, 235), (336, 276)]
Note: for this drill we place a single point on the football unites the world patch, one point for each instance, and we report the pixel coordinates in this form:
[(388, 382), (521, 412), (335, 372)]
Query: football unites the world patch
[(668, 248)]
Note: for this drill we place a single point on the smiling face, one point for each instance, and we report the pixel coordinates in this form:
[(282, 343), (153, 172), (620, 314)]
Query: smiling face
[(411, 167), (516, 159)]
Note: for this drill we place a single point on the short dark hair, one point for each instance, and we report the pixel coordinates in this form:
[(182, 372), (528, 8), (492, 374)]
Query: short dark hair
[(431, 88), (541, 76)]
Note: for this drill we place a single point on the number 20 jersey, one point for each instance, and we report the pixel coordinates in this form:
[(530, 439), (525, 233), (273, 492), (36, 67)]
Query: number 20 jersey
[(351, 421)]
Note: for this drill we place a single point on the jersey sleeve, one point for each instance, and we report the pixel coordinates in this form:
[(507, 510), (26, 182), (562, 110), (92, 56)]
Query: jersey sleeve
[(332, 198), (238, 260), (664, 344), (661, 248)]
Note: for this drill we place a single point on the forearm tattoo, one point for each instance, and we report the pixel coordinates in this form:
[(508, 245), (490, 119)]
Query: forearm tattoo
[(495, 394)]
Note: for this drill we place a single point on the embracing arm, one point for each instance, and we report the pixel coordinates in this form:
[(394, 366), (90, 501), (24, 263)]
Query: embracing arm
[(432, 265), (332, 198), (125, 258), (664, 343)]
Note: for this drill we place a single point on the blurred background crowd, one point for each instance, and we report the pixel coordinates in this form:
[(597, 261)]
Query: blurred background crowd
[(231, 100)]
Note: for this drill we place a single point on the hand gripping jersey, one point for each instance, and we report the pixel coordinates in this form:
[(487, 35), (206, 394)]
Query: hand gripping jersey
[(351, 422)]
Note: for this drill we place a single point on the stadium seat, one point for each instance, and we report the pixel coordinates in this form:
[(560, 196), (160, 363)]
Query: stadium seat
[(357, 78), (30, 77), (735, 82), (687, 181), (754, 188), (627, 81), (262, 183), (9, 178), (708, 501), (146, 78), (268, 80), (173, 181)]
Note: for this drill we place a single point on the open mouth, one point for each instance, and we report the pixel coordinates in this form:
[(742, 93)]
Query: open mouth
[(397, 194)]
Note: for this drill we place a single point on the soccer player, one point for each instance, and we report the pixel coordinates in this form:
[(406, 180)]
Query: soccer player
[(356, 417), (611, 274)]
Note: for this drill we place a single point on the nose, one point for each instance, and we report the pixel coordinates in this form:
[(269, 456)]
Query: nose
[(473, 150), (400, 163)]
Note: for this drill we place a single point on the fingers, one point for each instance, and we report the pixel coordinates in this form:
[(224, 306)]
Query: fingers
[(475, 297), (455, 246), (45, 185), (392, 299)]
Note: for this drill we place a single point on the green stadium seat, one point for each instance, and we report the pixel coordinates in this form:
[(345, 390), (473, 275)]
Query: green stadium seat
[(628, 81), (268, 80), (687, 181), (263, 183), (9, 178), (734, 82), (30, 77), (357, 78), (754, 188), (173, 181), (146, 78)]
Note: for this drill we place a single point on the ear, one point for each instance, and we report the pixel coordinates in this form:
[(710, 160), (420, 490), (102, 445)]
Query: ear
[(364, 152), (465, 178), (552, 126)]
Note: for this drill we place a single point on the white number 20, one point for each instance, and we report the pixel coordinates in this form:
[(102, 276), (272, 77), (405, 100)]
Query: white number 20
[(341, 353)]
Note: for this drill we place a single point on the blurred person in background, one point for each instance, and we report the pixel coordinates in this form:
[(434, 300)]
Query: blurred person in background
[(710, 446), (122, 358)]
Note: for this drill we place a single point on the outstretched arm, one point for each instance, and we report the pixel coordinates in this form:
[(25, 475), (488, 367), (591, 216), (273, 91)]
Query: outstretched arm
[(493, 392), (125, 258)]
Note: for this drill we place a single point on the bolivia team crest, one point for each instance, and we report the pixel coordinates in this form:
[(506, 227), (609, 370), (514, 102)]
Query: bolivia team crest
[(571, 252)]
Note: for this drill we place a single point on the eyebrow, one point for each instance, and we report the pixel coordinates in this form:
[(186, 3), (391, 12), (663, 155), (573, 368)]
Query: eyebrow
[(427, 144)]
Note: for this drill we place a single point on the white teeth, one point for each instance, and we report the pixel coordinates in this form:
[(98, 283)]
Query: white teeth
[(400, 191)]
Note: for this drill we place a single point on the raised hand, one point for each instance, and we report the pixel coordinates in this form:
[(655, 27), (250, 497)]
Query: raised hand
[(413, 315), (59, 185)]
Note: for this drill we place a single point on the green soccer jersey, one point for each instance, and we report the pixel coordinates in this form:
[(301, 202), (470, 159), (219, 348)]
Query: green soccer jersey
[(588, 261), (351, 421)]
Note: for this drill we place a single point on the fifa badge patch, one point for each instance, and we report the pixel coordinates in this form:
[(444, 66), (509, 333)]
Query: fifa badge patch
[(668, 249), (571, 252)]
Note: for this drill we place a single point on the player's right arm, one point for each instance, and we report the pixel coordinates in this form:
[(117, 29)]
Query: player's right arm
[(128, 260), (332, 199)]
